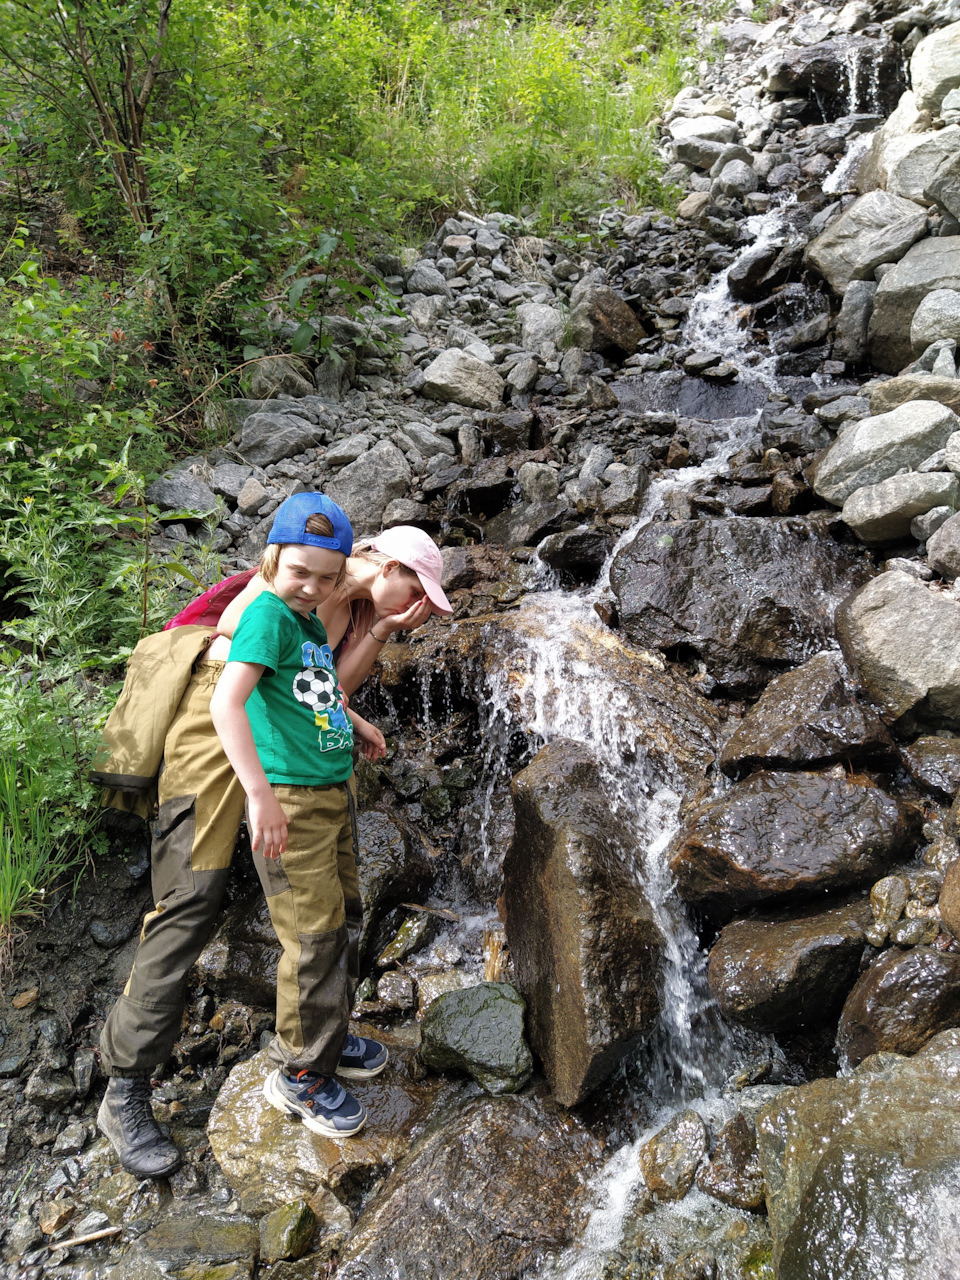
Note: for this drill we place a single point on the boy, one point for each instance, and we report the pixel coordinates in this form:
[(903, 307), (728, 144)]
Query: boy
[(278, 710)]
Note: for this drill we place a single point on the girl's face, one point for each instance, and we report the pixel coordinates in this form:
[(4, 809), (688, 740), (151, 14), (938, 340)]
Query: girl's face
[(306, 576), (395, 589)]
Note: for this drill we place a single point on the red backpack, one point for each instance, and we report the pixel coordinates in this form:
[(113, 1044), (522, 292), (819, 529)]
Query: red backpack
[(205, 611)]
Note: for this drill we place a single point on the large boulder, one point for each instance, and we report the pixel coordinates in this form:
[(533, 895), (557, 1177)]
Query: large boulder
[(787, 972), (780, 837), (279, 376), (876, 448), (944, 187), (902, 640), (270, 437), (709, 127), (938, 316), (825, 72), (483, 1195), (900, 1003), (600, 320), (877, 228), (809, 717), (366, 487), (935, 67), (462, 378), (862, 1173), (748, 595), (913, 162), (883, 512), (933, 263), (583, 937)]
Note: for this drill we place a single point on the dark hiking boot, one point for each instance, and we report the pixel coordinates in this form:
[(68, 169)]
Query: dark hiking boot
[(126, 1119)]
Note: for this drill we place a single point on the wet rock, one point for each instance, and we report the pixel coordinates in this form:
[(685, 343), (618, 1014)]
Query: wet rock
[(782, 836), (922, 387), (789, 971), (820, 71), (49, 1087), (733, 1174), (279, 376), (850, 342), (935, 67), (931, 264), (578, 555), (902, 640), (287, 1232), (479, 1030), (270, 1159), (518, 1166), (600, 320), (876, 448), (884, 512), (899, 1003), (860, 1183), (181, 491), (877, 228), (748, 595), (528, 523), (461, 378), (949, 900), (269, 437), (365, 487), (186, 1238), (811, 717), (669, 1161), (583, 937), (935, 764)]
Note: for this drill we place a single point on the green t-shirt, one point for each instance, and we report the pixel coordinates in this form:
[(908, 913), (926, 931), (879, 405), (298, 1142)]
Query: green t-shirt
[(302, 734)]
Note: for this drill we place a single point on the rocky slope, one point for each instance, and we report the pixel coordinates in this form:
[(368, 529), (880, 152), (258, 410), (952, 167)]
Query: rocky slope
[(746, 418)]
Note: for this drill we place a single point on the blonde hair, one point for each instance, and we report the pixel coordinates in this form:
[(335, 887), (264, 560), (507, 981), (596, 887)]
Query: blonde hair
[(316, 524)]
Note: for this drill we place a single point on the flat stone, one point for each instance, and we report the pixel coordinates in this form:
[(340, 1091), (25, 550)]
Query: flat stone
[(902, 640), (912, 162), (228, 479), (279, 376), (712, 128), (918, 386), (181, 491), (270, 437)]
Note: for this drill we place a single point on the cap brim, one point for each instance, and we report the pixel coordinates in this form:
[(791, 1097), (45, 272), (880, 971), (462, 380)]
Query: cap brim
[(434, 593)]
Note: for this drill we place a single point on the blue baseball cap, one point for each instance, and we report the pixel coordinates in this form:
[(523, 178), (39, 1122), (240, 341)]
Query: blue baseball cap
[(289, 523)]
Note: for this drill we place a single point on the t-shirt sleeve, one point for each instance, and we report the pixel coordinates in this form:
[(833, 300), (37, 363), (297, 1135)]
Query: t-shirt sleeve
[(259, 634)]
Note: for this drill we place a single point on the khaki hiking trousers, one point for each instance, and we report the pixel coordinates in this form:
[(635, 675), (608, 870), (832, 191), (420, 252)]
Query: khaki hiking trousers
[(201, 804)]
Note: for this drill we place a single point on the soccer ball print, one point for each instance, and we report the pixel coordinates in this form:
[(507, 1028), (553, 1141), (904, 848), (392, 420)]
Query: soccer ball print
[(316, 688)]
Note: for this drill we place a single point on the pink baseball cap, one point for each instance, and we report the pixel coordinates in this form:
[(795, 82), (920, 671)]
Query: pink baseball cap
[(417, 551)]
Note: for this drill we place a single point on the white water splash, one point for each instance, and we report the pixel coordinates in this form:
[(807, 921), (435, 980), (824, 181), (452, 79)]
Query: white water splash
[(844, 177)]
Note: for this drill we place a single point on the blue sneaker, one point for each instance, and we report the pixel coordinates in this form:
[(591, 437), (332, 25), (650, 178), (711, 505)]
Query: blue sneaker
[(320, 1101), (362, 1059)]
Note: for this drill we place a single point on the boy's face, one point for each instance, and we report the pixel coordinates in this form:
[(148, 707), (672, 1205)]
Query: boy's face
[(306, 576)]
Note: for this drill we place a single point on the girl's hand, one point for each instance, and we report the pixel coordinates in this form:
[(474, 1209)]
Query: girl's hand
[(411, 618), (268, 826), (373, 745)]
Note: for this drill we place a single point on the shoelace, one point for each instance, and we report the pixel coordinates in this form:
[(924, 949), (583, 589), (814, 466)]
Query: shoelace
[(140, 1114)]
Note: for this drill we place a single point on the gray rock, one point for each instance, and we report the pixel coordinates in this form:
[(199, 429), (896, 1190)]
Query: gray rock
[(458, 377), (845, 408), (601, 321), (935, 67), (541, 328), (923, 526), (181, 491), (538, 482), (252, 497), (945, 366), (577, 555), (932, 264), (596, 462), (523, 376), (347, 449), (937, 317), (334, 375), (943, 546), (733, 151), (625, 492), (270, 437), (876, 448), (405, 511), (912, 162), (364, 487), (735, 180), (479, 1030), (712, 128), (701, 153), (49, 1087), (902, 639), (424, 311), (427, 441), (426, 279), (853, 321), (859, 1182), (876, 228), (279, 376), (944, 187), (883, 512), (228, 479)]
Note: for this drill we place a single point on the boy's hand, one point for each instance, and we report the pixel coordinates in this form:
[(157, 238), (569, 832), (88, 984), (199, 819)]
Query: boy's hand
[(268, 826), (373, 745)]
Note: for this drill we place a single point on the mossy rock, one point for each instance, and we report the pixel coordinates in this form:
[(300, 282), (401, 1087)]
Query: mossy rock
[(479, 1030)]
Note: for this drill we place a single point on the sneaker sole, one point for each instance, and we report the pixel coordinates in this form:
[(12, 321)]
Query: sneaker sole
[(163, 1172), (362, 1073), (315, 1123)]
